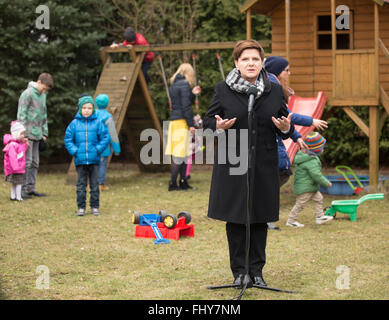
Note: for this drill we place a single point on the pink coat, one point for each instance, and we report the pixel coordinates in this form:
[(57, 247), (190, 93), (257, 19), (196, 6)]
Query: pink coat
[(14, 155)]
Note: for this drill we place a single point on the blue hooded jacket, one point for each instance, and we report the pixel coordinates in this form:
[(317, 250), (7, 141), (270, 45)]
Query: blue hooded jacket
[(102, 101), (86, 139)]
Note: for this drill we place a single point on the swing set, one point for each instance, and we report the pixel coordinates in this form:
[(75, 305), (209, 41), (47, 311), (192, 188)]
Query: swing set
[(193, 144), (218, 57), (131, 104)]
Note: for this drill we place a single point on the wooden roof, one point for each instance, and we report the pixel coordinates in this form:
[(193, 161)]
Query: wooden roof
[(266, 6), (260, 6)]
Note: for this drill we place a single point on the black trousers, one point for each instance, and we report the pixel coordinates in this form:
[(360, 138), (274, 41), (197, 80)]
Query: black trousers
[(236, 236), (145, 69), (88, 172)]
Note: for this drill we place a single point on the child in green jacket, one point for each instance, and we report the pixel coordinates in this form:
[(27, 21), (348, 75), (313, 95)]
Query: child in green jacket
[(308, 179), (32, 113)]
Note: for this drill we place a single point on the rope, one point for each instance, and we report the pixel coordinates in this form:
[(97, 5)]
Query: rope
[(220, 66), (195, 81), (165, 82)]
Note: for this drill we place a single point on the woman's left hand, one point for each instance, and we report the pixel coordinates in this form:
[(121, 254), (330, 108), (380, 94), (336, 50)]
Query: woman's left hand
[(283, 123), (196, 90)]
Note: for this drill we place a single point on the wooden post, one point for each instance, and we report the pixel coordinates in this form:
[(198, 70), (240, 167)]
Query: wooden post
[(377, 48), (374, 114), (248, 24), (374, 148), (287, 29), (333, 33)]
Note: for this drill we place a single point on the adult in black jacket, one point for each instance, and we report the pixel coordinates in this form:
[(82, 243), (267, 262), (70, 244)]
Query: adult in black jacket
[(228, 195), (181, 123)]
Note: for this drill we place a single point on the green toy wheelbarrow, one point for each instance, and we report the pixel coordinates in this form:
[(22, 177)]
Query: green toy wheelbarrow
[(350, 206)]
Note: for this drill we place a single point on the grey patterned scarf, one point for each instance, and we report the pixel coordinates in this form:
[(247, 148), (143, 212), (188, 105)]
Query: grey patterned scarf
[(235, 81)]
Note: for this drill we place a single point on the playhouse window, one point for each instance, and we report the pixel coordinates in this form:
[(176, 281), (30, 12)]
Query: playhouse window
[(324, 35)]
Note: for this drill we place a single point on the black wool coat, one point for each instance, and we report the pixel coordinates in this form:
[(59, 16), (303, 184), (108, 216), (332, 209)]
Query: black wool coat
[(228, 194)]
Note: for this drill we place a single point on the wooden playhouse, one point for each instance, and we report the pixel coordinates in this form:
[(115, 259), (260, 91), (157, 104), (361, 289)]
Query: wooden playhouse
[(339, 47)]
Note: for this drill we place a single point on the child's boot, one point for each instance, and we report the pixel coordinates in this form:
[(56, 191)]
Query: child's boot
[(323, 219), (103, 187), (185, 186), (172, 186), (80, 212), (294, 224)]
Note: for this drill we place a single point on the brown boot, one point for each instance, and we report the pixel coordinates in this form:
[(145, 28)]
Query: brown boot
[(103, 187)]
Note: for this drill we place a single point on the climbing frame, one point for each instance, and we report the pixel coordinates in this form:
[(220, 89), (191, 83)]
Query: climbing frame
[(130, 102)]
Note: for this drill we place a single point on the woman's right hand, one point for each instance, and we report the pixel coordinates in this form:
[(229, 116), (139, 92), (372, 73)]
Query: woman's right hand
[(224, 123)]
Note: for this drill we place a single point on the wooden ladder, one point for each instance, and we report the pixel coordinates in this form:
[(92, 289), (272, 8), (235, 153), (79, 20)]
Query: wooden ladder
[(130, 104)]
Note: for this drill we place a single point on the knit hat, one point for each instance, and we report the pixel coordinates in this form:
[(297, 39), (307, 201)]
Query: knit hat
[(84, 100), (16, 129), (102, 101), (315, 142), (276, 65), (129, 34)]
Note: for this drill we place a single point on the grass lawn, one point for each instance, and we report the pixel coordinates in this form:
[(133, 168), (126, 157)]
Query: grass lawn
[(98, 257)]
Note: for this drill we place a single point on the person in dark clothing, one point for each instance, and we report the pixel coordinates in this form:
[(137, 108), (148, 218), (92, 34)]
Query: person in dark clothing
[(182, 94), (228, 194)]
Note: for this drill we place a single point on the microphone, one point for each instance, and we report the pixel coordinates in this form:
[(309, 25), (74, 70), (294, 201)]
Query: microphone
[(252, 92)]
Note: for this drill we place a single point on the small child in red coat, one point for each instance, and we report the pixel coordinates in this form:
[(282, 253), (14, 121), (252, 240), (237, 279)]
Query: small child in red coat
[(15, 159)]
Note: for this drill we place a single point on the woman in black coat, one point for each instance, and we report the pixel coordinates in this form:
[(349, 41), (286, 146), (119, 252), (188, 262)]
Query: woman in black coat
[(228, 195), (181, 123)]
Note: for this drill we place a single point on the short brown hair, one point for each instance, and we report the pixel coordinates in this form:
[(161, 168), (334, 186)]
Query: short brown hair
[(242, 45), (47, 79)]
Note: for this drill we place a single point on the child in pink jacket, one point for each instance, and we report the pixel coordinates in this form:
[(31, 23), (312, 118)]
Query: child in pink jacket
[(15, 159)]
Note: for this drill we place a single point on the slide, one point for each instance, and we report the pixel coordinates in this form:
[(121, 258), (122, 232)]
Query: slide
[(313, 107)]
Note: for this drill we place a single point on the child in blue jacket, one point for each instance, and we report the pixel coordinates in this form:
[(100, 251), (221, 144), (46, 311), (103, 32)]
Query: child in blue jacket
[(85, 139), (102, 101)]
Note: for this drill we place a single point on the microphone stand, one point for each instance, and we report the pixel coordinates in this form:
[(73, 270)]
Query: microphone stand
[(247, 282)]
